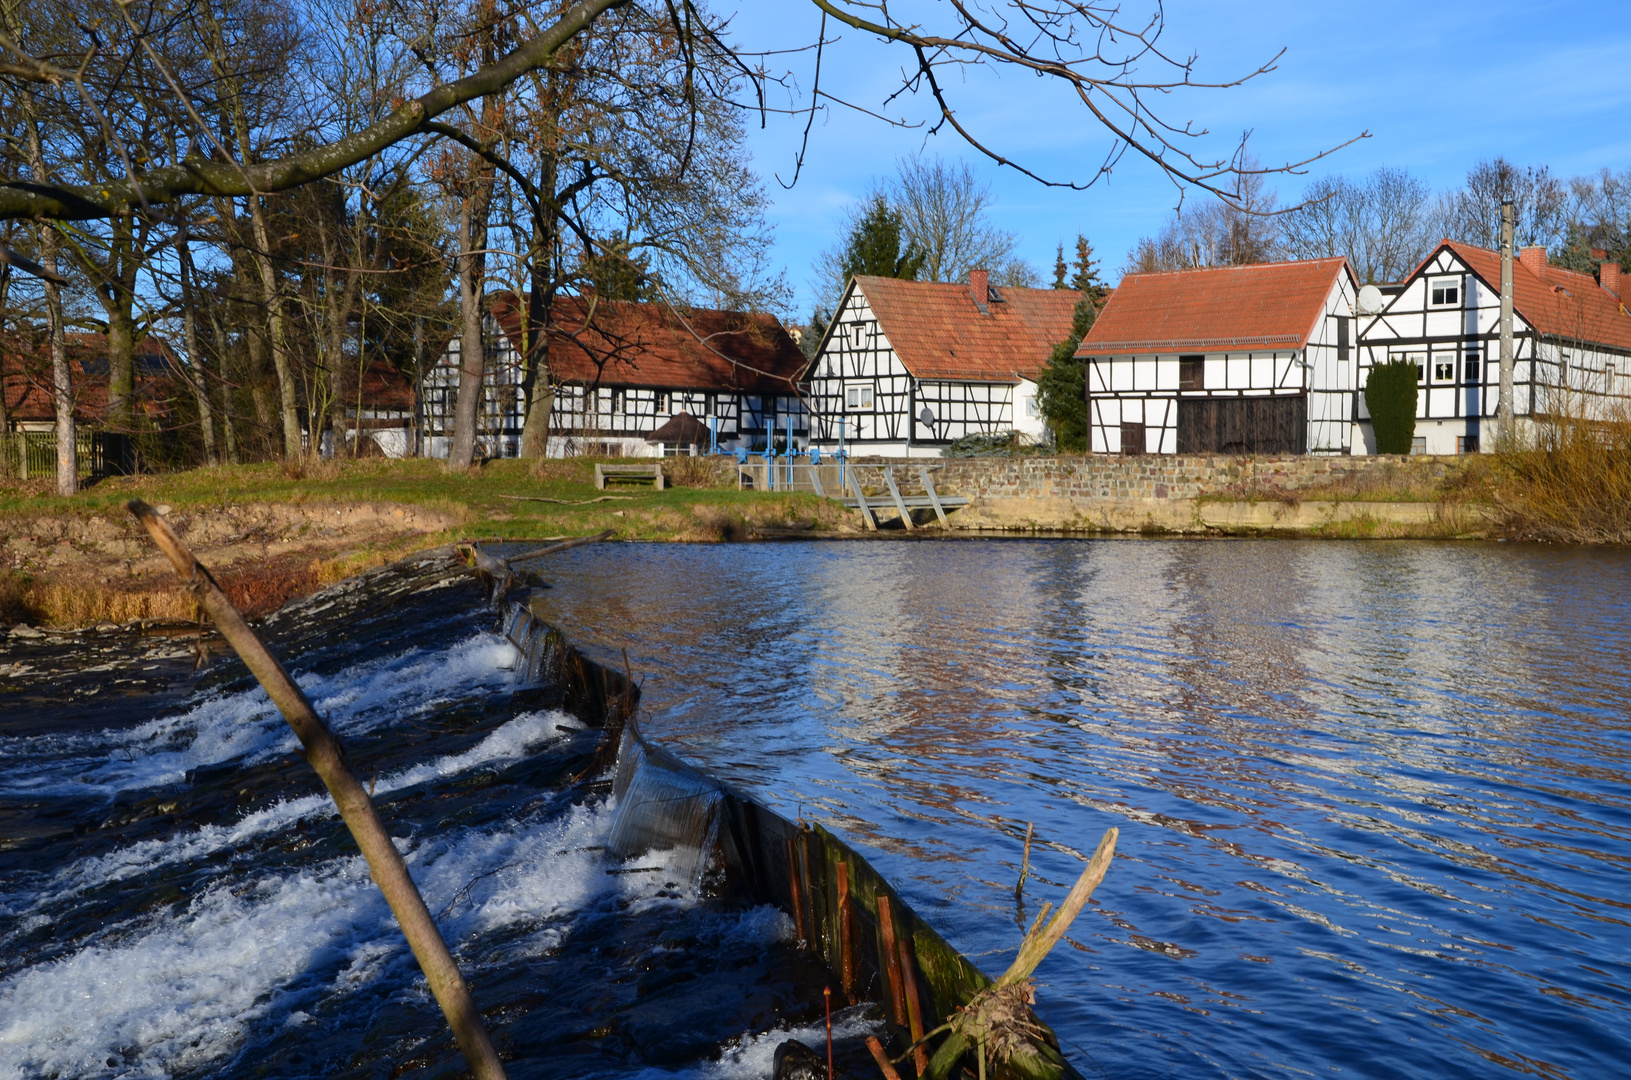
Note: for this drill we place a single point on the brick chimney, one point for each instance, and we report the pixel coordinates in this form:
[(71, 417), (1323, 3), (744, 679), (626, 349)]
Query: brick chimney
[(979, 287), (1534, 258), (1609, 275)]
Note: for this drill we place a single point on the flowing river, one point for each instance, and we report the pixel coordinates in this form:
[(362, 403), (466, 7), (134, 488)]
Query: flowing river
[(1373, 802)]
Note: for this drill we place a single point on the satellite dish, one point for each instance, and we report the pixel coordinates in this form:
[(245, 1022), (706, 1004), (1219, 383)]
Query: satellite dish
[(1370, 300), (926, 418)]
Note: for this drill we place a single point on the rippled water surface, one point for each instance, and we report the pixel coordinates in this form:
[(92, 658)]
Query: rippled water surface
[(178, 898), (1373, 798)]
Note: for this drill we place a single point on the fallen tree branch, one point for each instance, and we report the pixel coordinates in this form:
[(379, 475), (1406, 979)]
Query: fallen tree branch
[(998, 1021), (324, 754)]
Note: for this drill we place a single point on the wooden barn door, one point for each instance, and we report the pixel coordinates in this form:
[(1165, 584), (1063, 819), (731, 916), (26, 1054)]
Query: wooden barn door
[(1243, 425)]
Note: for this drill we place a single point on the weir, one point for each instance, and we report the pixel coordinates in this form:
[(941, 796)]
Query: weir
[(874, 945)]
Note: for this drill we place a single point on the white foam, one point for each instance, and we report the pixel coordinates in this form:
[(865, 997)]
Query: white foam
[(512, 741), (183, 991), (753, 1056), (245, 725)]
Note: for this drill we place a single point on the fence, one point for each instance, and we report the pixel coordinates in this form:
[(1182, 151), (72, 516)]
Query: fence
[(32, 455)]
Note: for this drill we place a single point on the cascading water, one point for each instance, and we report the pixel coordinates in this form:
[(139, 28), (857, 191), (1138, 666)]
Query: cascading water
[(178, 897)]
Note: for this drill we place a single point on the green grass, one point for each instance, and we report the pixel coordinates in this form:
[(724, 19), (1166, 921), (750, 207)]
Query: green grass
[(483, 502)]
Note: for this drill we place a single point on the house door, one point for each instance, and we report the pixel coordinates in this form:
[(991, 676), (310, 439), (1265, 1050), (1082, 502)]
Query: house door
[(1132, 439)]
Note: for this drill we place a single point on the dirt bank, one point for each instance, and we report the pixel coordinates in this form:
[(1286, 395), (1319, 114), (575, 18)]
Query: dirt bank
[(78, 569)]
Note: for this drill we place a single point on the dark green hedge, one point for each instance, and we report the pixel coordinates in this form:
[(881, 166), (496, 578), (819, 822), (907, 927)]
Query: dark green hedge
[(1390, 395)]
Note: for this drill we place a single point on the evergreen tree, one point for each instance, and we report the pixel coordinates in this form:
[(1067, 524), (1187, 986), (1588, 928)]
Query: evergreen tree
[(617, 273), (1061, 390), (1060, 269), (874, 246)]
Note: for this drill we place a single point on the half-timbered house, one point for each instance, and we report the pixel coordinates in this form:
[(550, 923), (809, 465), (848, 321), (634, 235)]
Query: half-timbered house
[(906, 367), (1238, 359), (622, 370), (1571, 344)]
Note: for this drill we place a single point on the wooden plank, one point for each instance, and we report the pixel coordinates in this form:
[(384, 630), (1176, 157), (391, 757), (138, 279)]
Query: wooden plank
[(934, 497), (815, 480), (900, 504), (860, 500), (600, 477)]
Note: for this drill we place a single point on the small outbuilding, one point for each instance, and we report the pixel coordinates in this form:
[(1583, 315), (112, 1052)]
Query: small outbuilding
[(683, 434), (1237, 359)]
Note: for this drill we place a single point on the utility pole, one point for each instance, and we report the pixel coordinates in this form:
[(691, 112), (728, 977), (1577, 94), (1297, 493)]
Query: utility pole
[(1503, 410)]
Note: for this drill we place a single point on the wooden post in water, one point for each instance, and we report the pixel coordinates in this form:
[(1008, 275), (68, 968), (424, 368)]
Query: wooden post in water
[(324, 754), (914, 1007), (795, 885), (891, 960), (846, 969)]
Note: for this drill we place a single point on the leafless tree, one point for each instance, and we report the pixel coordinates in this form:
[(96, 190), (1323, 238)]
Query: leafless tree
[(1473, 214), (1215, 233), (115, 87), (945, 211), (1382, 224)]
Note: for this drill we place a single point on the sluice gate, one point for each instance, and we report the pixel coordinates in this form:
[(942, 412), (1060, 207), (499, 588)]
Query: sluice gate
[(874, 945)]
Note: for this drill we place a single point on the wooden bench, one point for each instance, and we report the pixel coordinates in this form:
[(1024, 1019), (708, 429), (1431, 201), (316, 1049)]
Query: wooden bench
[(603, 473)]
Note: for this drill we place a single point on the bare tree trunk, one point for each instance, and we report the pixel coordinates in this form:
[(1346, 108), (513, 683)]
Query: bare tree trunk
[(118, 300), (229, 435), (62, 387), (195, 355), (539, 394), (472, 356), (287, 405)]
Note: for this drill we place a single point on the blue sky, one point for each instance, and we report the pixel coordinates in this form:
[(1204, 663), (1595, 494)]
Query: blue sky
[(1439, 84)]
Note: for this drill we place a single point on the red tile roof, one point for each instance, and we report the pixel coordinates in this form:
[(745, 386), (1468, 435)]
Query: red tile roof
[(25, 377), (637, 344), (938, 333), (1558, 303), (1273, 305)]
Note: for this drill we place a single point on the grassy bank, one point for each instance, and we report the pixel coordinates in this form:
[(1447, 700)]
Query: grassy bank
[(1570, 484), (274, 532)]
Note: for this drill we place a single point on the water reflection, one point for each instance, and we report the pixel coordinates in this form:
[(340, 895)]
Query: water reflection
[(1373, 796)]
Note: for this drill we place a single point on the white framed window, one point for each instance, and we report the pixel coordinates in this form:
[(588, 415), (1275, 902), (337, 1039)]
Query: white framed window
[(1472, 366), (1031, 409), (1444, 292), (858, 397), (858, 334), (1444, 368), (1418, 445), (1417, 358)]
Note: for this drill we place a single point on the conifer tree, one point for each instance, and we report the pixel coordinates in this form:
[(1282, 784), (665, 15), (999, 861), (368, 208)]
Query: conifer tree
[(1060, 269), (874, 246), (1062, 387)]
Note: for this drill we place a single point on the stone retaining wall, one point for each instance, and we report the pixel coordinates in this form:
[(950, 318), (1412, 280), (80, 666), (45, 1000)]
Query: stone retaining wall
[(1103, 493), (1104, 476)]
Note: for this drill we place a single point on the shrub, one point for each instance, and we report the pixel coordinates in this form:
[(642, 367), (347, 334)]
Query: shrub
[(1390, 395), (995, 444)]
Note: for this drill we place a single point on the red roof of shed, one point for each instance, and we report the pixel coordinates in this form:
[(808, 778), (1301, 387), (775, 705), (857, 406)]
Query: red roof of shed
[(1215, 308), (938, 332)]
